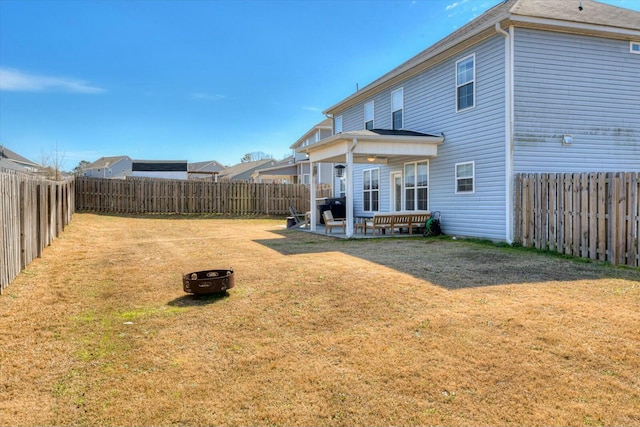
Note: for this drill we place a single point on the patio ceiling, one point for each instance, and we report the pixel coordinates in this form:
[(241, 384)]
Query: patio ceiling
[(374, 146)]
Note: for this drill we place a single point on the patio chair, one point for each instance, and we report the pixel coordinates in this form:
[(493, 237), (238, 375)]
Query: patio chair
[(300, 219), (330, 222)]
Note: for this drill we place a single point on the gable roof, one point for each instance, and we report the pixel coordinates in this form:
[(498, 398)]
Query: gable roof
[(208, 166), (105, 162), (557, 15), (240, 168), (5, 153), (326, 124)]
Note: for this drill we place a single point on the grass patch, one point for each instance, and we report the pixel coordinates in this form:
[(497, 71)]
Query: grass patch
[(317, 331)]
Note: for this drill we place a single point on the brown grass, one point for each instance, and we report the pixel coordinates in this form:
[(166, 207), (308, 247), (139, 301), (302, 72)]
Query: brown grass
[(317, 331)]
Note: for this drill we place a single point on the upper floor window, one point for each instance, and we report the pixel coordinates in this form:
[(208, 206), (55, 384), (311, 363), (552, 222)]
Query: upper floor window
[(634, 47), (465, 177), (337, 125), (371, 190), (465, 82), (416, 186), (397, 105), (368, 115)]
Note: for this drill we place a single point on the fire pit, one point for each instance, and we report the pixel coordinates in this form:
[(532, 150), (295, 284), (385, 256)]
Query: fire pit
[(208, 281)]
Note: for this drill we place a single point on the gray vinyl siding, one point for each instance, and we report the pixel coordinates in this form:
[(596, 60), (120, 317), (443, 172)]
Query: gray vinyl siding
[(584, 86), (476, 134)]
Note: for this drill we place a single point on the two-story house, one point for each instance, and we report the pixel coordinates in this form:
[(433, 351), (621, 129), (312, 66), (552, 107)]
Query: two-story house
[(528, 86)]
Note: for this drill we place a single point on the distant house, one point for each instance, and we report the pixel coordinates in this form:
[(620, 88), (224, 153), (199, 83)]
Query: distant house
[(169, 169), (529, 86), (296, 169), (283, 171), (110, 167), (243, 171), (13, 161), (204, 170)]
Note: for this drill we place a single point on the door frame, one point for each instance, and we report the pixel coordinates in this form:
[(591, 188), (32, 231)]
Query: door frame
[(392, 200)]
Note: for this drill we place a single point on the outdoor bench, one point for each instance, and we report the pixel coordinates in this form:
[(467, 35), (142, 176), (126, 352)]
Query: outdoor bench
[(396, 220)]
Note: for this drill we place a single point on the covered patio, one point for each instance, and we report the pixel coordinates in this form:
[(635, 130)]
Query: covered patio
[(376, 146)]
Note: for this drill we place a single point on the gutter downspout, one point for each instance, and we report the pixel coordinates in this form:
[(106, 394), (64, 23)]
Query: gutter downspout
[(349, 185), (508, 129)]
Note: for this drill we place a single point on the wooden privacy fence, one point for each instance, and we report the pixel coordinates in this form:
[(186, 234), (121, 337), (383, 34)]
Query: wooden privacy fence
[(33, 211), (164, 196), (589, 215)]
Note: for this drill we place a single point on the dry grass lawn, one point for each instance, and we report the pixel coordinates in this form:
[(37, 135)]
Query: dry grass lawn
[(317, 331)]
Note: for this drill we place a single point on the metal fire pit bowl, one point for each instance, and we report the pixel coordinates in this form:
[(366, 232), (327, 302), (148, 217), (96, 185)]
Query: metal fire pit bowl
[(208, 281)]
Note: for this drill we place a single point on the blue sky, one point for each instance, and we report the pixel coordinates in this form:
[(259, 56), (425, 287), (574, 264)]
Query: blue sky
[(197, 80)]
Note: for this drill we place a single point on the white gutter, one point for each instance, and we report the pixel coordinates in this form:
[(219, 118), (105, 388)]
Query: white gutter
[(508, 128)]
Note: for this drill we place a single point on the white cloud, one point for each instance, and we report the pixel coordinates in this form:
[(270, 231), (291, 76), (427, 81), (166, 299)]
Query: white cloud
[(451, 6), (18, 81), (311, 109), (199, 96)]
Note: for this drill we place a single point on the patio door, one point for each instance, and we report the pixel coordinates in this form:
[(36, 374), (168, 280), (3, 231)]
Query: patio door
[(396, 191)]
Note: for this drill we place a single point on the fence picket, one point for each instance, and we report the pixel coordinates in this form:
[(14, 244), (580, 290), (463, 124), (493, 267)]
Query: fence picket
[(33, 211), (593, 215)]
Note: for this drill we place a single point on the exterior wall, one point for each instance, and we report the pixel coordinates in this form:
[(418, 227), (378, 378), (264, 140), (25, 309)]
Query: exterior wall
[(160, 174), (476, 135), (120, 169), (583, 86)]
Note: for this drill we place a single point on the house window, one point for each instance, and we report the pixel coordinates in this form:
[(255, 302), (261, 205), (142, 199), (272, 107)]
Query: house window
[(465, 176), (342, 186), (397, 105), (337, 125), (368, 115), (416, 186), (634, 47), (465, 83), (371, 189), (306, 179)]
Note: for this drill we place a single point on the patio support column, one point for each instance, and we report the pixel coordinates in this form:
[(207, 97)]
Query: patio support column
[(312, 206), (349, 189)]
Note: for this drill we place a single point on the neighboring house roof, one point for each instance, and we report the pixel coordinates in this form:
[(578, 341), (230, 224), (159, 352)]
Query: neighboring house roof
[(325, 124), (240, 168), (105, 162), (208, 166), (557, 15), (159, 166), (16, 158), (284, 167), (5, 163)]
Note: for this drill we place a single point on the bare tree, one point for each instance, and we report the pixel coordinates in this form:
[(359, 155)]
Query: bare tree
[(255, 156), (52, 163)]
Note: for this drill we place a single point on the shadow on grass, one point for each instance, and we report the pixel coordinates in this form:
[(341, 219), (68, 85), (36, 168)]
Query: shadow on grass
[(198, 300), (453, 264)]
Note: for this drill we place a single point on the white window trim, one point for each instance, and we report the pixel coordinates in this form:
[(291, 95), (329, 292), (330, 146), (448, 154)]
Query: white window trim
[(636, 45), (473, 55), (337, 121), (373, 114), (473, 177), (364, 208), (401, 90), (416, 187)]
